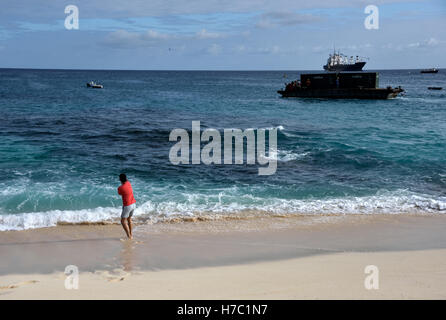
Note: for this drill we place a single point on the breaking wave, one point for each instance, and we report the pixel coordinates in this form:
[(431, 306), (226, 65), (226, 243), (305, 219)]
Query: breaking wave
[(218, 206)]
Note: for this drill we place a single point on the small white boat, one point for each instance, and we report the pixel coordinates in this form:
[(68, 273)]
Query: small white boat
[(93, 84)]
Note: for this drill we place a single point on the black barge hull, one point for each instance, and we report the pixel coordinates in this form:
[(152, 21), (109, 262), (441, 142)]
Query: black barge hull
[(345, 67), (350, 93)]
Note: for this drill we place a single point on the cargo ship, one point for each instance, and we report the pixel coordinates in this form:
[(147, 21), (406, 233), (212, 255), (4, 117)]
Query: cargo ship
[(339, 62), (346, 85)]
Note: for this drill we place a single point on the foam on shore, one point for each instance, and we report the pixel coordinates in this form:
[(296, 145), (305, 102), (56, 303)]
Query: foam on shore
[(225, 206)]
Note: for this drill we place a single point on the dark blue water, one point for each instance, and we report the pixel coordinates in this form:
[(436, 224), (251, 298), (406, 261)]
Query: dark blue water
[(63, 145)]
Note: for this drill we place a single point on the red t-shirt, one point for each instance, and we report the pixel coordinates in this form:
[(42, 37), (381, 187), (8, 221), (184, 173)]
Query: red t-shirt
[(126, 191)]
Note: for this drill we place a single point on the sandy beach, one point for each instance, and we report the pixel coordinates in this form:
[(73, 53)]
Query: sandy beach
[(276, 258), (273, 150)]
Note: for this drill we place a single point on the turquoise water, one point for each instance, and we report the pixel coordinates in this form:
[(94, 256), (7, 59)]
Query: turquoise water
[(62, 146)]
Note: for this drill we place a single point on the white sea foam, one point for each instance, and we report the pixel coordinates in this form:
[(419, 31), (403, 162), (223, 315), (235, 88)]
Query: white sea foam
[(286, 155), (280, 128), (291, 135), (33, 220), (229, 203)]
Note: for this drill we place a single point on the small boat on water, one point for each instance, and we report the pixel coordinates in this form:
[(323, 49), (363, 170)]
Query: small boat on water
[(431, 70), (343, 85), (95, 85), (435, 88)]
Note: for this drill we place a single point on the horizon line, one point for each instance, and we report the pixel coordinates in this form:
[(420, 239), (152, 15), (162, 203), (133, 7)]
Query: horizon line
[(195, 70)]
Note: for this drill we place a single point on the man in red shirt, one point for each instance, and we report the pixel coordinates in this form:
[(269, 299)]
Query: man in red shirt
[(128, 204)]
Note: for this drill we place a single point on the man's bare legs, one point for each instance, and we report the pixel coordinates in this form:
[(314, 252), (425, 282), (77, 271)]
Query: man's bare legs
[(130, 223), (126, 227)]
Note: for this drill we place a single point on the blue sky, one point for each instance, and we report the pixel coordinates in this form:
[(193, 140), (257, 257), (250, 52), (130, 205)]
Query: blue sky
[(220, 35)]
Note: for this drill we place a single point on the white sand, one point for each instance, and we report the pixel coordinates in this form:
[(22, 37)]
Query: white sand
[(402, 275)]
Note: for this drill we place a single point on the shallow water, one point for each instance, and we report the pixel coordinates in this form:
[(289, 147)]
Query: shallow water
[(63, 145)]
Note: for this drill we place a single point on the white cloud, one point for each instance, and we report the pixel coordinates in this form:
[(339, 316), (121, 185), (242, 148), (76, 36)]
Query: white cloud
[(284, 18), (204, 34), (150, 34), (119, 8), (428, 43), (240, 49), (268, 50), (122, 38), (214, 49), (431, 42)]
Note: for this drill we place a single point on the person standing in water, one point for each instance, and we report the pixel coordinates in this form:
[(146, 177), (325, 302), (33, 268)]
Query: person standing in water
[(128, 204)]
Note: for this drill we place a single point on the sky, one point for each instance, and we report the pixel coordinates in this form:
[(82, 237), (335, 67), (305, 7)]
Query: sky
[(220, 35)]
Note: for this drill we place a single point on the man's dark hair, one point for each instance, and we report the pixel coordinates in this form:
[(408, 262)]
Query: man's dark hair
[(123, 177)]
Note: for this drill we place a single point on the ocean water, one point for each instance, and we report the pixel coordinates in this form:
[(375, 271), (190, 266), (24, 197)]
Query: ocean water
[(62, 146)]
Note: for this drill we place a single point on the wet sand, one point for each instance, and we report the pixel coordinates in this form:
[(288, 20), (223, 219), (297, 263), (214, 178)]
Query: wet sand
[(299, 257)]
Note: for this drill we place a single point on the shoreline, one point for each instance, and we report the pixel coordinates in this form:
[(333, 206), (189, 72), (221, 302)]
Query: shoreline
[(268, 258)]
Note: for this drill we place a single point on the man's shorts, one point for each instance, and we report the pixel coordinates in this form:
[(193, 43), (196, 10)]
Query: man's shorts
[(127, 211)]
